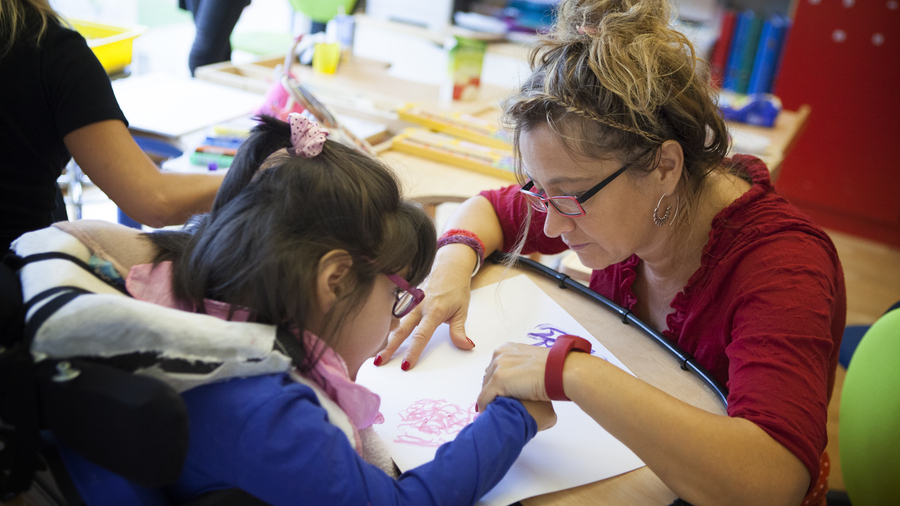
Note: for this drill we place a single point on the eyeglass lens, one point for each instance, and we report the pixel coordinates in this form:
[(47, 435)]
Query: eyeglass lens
[(562, 205), (404, 304)]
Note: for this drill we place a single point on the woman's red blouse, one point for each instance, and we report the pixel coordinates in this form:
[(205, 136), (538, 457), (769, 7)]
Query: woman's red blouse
[(764, 313)]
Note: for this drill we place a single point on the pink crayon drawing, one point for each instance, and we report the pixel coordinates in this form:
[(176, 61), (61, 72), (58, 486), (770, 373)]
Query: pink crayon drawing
[(430, 422)]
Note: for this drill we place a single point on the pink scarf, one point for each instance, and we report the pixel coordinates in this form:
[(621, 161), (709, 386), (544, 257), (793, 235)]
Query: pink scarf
[(154, 284)]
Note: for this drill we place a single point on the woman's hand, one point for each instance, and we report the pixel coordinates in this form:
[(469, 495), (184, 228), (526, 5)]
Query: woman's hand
[(448, 288), (543, 413), (447, 293), (517, 370)]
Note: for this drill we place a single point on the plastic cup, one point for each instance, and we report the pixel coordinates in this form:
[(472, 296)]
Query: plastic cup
[(326, 57)]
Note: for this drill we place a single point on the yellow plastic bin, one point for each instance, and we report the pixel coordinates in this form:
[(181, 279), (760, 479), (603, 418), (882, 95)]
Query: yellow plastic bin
[(111, 44)]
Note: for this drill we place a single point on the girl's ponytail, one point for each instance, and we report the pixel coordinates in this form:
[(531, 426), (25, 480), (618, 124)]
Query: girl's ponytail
[(267, 137)]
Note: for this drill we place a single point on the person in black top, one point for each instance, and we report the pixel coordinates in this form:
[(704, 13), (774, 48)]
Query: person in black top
[(215, 20), (56, 102)]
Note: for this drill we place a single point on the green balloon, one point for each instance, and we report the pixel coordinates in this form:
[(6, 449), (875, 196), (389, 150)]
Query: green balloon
[(869, 426), (322, 10)]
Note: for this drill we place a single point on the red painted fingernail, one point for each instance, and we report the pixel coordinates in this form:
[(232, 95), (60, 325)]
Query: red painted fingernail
[(470, 342), (378, 360), (476, 408), (405, 365)]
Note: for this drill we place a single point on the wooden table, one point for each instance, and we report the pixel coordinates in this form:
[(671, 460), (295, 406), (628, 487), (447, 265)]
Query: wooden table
[(647, 360), (431, 183), (782, 136), (361, 88), (364, 88)]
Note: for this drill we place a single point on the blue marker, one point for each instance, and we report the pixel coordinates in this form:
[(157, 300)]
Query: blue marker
[(224, 142)]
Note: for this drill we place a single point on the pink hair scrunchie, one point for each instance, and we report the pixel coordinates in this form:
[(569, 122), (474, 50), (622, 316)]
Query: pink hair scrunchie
[(307, 137)]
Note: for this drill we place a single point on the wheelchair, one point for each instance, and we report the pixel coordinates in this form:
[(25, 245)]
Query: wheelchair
[(132, 424)]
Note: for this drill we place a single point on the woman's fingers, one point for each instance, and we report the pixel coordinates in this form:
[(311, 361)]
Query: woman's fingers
[(517, 370), (457, 326), (407, 324), (418, 329), (486, 397), (448, 306), (419, 339), (425, 330)]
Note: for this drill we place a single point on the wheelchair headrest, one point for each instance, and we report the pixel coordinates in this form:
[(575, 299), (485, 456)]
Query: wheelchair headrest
[(109, 368), (182, 349)]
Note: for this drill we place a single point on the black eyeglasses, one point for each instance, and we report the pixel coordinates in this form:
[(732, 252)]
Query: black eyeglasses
[(408, 297), (566, 205)]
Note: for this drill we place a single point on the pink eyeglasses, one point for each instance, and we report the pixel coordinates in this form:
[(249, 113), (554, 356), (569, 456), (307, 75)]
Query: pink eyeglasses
[(566, 205), (408, 297)]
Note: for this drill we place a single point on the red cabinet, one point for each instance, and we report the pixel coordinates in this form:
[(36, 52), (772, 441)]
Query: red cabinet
[(843, 59)]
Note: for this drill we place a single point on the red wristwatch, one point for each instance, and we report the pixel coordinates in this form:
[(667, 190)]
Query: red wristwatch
[(553, 373)]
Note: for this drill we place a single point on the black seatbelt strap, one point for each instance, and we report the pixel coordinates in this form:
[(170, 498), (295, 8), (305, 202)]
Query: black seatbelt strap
[(40, 316), (287, 343)]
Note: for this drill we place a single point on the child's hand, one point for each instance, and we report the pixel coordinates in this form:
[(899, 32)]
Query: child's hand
[(543, 413), (447, 290)]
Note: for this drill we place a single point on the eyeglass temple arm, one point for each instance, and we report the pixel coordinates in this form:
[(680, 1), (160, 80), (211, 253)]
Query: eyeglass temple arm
[(593, 191)]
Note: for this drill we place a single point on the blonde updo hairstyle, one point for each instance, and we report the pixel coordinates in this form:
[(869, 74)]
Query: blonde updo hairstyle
[(613, 78)]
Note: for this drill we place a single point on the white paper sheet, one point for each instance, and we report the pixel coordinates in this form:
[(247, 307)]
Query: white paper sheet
[(174, 106), (439, 395)]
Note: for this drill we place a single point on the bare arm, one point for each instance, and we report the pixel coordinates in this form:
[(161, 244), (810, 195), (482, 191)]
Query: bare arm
[(703, 457), (447, 288), (476, 215), (108, 154)]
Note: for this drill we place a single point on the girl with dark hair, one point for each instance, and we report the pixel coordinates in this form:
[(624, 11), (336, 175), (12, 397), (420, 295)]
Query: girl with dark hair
[(313, 237), (622, 159)]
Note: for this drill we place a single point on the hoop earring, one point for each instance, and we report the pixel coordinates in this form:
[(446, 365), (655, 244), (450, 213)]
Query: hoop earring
[(660, 221)]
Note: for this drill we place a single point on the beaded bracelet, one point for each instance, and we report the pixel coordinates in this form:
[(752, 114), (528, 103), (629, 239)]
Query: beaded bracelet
[(461, 236)]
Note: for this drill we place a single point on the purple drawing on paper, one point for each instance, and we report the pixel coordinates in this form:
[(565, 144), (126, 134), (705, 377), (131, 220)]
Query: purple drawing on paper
[(430, 422), (546, 335)]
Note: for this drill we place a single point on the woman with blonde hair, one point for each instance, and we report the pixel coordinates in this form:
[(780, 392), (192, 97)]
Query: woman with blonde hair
[(623, 153), (57, 103)]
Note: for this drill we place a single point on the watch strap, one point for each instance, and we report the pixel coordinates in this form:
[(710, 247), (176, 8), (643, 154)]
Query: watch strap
[(553, 372)]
